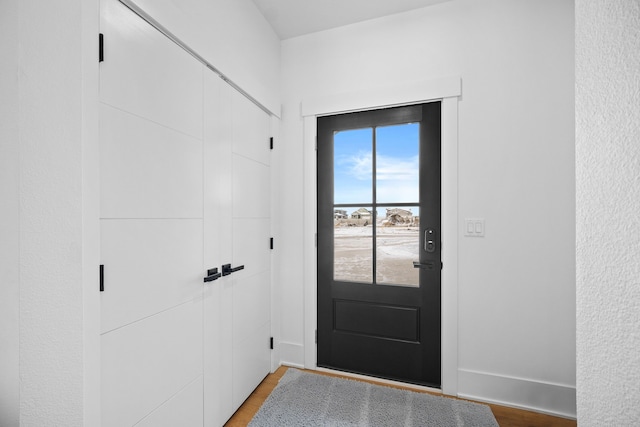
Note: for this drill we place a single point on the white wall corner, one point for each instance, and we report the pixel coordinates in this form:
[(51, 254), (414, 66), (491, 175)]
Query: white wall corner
[(276, 289), (450, 246), (9, 216), (310, 250), (292, 354)]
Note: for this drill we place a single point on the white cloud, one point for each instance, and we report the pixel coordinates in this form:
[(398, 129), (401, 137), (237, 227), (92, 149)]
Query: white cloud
[(398, 169), (397, 177), (358, 166)]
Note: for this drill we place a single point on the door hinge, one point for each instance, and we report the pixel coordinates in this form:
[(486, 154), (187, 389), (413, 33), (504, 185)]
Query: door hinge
[(271, 343), (100, 47), (271, 143), (316, 142), (271, 243), (441, 265), (315, 241), (316, 339), (101, 277)]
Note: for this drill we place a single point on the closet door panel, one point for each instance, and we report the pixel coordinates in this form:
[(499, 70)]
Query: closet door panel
[(148, 362), (251, 247), (184, 409), (250, 130), (146, 74), (249, 309), (251, 189), (150, 266), (251, 363), (217, 169), (147, 170)]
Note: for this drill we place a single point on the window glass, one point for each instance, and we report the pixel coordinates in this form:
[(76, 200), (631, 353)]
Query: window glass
[(398, 163), (353, 166)]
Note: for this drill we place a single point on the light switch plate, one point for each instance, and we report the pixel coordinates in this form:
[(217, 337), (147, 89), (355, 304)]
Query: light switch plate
[(474, 227)]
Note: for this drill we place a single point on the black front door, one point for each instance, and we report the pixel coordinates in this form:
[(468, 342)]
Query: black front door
[(379, 243)]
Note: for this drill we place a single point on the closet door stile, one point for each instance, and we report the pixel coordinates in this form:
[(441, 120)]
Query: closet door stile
[(218, 240)]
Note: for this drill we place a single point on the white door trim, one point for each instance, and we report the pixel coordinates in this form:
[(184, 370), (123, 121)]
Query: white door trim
[(447, 89)]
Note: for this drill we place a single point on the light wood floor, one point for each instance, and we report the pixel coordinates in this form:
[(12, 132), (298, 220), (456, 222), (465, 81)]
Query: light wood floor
[(506, 417)]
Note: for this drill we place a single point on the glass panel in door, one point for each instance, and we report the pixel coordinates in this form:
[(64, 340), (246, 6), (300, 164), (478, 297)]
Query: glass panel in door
[(353, 162), (397, 244), (376, 204), (398, 163), (353, 244)]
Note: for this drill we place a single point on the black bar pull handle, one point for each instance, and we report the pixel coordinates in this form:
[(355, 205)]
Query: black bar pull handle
[(101, 277), (227, 270), (212, 274)]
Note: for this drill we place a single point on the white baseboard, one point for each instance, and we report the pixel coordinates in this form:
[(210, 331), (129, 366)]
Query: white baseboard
[(291, 354), (547, 398), (553, 399)]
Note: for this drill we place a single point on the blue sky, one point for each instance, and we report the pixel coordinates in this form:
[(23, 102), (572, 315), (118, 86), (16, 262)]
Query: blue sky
[(397, 164)]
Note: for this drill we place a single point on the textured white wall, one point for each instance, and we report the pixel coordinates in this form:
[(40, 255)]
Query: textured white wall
[(9, 215), (50, 165), (608, 206), (516, 170), (48, 133)]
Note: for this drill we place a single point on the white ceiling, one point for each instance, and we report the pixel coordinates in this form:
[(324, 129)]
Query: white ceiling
[(291, 18)]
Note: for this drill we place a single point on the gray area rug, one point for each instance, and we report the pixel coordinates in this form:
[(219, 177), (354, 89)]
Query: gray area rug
[(306, 399)]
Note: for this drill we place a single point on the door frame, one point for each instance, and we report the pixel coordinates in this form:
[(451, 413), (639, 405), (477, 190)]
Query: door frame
[(446, 89)]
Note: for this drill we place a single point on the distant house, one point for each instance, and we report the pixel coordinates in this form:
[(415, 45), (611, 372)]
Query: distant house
[(403, 213), (397, 216), (340, 214), (362, 213)]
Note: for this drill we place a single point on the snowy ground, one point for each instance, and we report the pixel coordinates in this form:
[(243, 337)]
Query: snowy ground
[(397, 248)]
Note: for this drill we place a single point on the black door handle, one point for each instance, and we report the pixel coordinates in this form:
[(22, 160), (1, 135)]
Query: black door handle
[(212, 274), (226, 269), (425, 265)]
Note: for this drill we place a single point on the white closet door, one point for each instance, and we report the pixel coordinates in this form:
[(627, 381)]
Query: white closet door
[(179, 195), (151, 225), (251, 247), (237, 232)]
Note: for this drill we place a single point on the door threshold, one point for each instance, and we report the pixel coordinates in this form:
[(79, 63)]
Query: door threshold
[(408, 386)]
